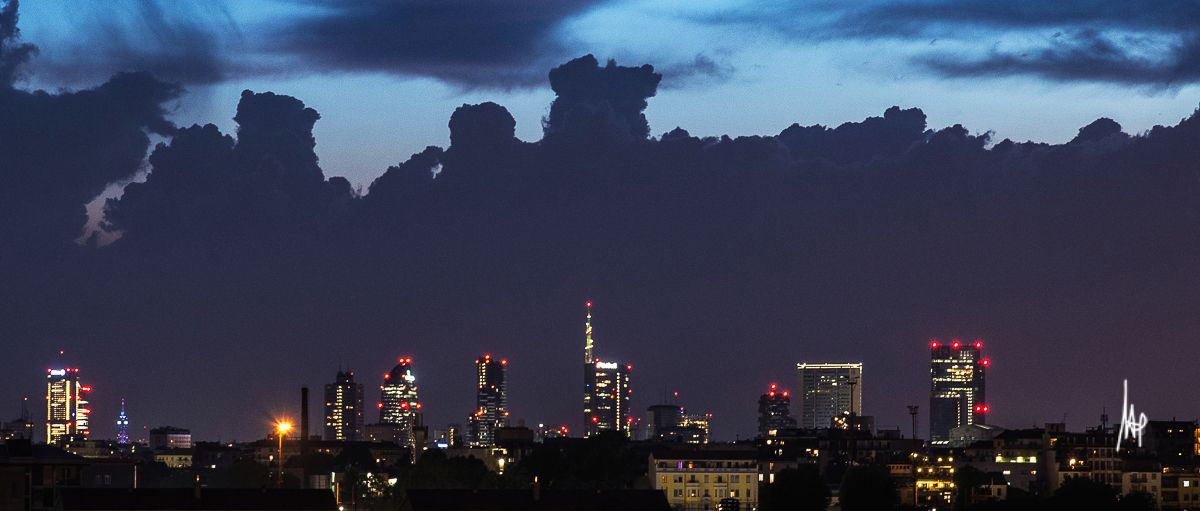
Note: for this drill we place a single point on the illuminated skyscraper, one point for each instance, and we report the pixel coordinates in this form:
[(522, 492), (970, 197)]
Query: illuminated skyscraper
[(491, 402), (66, 406), (122, 426), (399, 405), (606, 390), (344, 408), (956, 396), (774, 411), (828, 391)]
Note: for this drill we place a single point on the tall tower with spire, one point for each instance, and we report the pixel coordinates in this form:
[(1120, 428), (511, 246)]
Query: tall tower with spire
[(589, 371), (587, 336), (123, 426), (606, 389)]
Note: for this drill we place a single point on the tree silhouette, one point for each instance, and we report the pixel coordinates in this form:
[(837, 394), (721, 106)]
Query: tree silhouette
[(795, 489), (868, 488)]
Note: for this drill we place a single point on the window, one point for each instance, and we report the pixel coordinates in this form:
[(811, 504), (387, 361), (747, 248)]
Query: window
[(678, 492)]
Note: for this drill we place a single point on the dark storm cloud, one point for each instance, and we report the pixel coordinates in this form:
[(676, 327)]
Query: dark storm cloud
[(1150, 43), (13, 53), (205, 183), (244, 271), (597, 105), (174, 41), (700, 69), (1086, 55), (494, 43), (60, 150)]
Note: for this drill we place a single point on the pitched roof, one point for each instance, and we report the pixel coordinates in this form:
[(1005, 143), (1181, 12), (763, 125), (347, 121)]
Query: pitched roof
[(23, 452)]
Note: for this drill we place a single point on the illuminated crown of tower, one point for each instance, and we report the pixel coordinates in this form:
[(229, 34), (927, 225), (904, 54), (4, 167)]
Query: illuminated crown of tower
[(587, 332)]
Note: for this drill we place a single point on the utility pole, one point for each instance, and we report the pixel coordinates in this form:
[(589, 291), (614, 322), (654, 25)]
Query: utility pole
[(853, 425), (912, 410)]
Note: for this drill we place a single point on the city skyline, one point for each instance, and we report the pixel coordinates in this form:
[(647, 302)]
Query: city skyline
[(230, 262), (396, 411)]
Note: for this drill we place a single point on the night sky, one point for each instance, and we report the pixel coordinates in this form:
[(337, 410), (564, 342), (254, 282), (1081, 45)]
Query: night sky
[(207, 205)]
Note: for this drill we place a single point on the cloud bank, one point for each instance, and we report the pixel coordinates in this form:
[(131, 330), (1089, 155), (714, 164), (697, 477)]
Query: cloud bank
[(743, 253)]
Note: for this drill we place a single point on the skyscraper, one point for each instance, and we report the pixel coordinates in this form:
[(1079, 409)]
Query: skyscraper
[(66, 406), (344, 408), (123, 426), (828, 391), (606, 390), (774, 411), (491, 402), (956, 396), (399, 406)]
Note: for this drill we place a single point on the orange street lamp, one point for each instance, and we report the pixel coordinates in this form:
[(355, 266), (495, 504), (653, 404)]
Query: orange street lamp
[(281, 429)]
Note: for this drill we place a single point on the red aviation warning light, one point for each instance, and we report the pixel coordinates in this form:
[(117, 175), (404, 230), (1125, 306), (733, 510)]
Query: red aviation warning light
[(985, 362), (595, 419), (933, 344), (956, 345), (982, 409), (978, 344)]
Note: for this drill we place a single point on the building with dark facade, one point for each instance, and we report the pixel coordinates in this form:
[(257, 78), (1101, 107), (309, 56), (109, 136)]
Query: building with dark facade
[(344, 408), (170, 437), (828, 392), (774, 411), (491, 402), (606, 390), (956, 395), (671, 423)]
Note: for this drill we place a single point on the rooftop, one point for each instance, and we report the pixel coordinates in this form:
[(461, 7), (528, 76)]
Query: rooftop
[(215, 499), (550, 500)]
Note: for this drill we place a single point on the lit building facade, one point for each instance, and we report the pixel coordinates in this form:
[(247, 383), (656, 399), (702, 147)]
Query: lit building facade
[(66, 406), (774, 411), (606, 390), (670, 423), (610, 398), (123, 426), (169, 438), (399, 405), (344, 408), (956, 396), (829, 391), (491, 402), (699, 479)]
